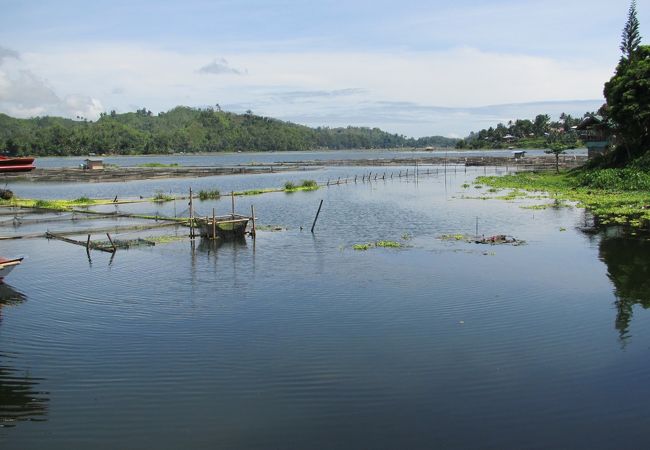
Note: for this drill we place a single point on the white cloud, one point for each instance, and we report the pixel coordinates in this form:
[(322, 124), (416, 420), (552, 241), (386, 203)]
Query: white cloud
[(7, 53), (220, 67), (306, 85), (25, 94)]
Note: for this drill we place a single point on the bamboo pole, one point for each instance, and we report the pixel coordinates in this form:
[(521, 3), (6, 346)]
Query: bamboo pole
[(316, 218), (253, 232), (111, 241), (81, 243), (214, 224), (191, 217)]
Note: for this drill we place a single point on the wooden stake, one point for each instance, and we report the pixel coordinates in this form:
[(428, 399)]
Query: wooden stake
[(111, 241), (253, 232), (232, 194), (316, 218), (191, 217), (88, 243), (214, 224)]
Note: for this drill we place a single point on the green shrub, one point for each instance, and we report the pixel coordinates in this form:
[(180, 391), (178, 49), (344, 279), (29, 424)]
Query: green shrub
[(160, 196), (83, 200), (310, 184), (615, 179)]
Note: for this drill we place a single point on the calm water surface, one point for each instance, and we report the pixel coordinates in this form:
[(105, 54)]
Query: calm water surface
[(298, 341), (231, 159)]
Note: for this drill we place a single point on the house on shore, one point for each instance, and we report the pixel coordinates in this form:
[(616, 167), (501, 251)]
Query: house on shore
[(594, 132), (93, 164)]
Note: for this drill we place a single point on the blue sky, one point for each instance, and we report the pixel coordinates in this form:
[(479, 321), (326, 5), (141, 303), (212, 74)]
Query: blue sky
[(412, 67)]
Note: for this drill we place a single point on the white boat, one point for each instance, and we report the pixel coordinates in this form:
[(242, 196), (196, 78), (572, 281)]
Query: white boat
[(7, 265)]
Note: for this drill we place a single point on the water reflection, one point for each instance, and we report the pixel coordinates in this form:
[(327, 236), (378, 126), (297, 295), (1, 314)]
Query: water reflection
[(213, 245), (20, 399), (10, 296), (628, 267)]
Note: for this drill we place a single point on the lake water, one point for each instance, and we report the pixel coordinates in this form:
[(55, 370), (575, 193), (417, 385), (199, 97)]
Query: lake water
[(232, 159), (295, 340)]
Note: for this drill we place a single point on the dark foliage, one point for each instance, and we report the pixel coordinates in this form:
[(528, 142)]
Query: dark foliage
[(184, 129)]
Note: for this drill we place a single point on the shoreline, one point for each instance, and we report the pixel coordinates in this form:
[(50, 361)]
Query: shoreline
[(122, 174)]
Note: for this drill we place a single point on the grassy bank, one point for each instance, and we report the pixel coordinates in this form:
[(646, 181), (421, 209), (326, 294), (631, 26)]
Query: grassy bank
[(55, 205), (614, 196)]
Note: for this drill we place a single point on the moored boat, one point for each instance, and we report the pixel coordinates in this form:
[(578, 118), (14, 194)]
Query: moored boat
[(226, 227), (18, 164), (7, 265)]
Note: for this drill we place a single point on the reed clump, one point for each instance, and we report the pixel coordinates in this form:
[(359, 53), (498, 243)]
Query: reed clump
[(210, 194), (305, 185), (161, 197)]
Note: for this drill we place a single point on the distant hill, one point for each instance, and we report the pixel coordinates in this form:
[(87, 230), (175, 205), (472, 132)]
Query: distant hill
[(185, 129)]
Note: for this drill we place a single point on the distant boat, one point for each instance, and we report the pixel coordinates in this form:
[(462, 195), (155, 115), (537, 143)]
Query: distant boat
[(7, 265), (9, 164)]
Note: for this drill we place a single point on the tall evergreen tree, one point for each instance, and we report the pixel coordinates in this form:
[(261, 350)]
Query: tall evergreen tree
[(631, 38)]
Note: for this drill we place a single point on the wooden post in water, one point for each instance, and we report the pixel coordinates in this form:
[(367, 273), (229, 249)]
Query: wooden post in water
[(191, 217), (88, 244), (112, 243), (214, 224), (232, 194), (253, 232), (316, 218)]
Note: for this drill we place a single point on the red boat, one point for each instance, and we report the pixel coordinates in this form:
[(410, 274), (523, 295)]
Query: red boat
[(9, 164)]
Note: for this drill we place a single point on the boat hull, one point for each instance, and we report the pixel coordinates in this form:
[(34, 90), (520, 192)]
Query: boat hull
[(15, 161), (225, 227), (21, 164), (17, 168), (7, 265)]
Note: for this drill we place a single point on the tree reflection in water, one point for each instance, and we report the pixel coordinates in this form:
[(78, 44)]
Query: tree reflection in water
[(628, 266), (20, 398)]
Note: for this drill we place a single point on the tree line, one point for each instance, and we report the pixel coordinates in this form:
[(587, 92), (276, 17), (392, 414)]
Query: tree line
[(540, 132), (185, 129)]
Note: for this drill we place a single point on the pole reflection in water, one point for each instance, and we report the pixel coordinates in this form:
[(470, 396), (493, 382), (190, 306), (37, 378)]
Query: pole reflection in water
[(20, 399)]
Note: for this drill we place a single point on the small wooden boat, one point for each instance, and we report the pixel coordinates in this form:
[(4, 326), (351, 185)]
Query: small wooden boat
[(9, 164), (226, 227), (7, 265)]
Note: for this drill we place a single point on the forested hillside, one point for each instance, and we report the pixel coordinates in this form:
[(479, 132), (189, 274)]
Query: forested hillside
[(184, 129)]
